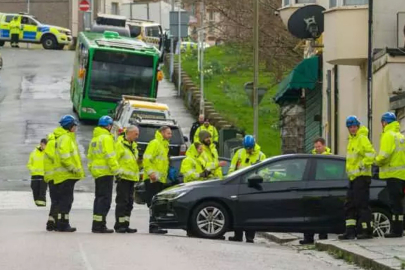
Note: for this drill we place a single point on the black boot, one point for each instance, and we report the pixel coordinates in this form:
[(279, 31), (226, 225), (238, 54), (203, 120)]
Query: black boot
[(103, 229), (63, 224), (323, 236), (306, 241), (367, 232), (129, 230), (238, 237), (50, 226), (121, 230), (250, 236), (397, 230), (350, 233)]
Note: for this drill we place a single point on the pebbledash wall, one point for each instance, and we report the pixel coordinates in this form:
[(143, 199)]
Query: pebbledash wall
[(191, 97)]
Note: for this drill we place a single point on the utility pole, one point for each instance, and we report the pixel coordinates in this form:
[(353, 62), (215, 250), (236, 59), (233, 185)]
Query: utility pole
[(171, 50), (256, 71), (201, 42), (179, 46), (370, 70)]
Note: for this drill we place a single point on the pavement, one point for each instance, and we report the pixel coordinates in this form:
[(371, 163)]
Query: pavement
[(377, 253)]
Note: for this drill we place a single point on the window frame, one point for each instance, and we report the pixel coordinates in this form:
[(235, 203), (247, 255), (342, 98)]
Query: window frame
[(342, 3)]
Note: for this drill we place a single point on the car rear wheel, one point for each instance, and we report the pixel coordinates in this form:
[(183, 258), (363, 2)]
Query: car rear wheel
[(49, 42), (210, 220), (382, 222)]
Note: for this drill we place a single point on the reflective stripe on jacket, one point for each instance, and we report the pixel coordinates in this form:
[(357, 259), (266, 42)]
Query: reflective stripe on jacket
[(49, 158), (242, 159), (192, 166), (68, 164), (156, 158), (127, 156), (211, 129), (101, 154), (360, 155), (391, 157), (36, 162)]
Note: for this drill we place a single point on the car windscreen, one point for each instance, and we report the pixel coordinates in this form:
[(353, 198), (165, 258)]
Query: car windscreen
[(116, 73), (147, 133), (146, 115)]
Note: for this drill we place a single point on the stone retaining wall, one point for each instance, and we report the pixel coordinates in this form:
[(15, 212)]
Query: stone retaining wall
[(191, 97)]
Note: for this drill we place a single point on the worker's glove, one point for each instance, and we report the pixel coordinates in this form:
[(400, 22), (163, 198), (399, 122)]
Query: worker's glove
[(207, 173)]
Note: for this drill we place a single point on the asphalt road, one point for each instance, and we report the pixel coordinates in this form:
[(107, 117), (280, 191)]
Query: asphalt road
[(34, 94)]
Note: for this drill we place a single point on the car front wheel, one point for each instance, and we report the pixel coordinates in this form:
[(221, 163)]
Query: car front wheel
[(382, 222), (49, 42), (210, 220)]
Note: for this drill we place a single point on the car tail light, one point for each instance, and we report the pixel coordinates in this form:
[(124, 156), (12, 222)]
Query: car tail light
[(183, 149)]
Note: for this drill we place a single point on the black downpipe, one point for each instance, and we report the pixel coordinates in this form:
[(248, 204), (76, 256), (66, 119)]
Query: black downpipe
[(370, 70), (336, 105)]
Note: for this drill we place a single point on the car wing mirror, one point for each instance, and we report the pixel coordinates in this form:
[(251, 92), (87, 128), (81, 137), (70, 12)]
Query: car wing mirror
[(255, 180), (185, 138)]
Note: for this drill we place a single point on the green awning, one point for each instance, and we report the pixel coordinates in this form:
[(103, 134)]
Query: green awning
[(304, 75)]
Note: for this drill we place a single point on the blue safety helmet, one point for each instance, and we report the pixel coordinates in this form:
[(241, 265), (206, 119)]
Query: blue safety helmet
[(105, 121), (249, 142), (388, 117), (352, 121), (68, 121)]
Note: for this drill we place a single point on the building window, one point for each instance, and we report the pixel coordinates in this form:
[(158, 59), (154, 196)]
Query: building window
[(286, 2), (355, 2), (211, 28), (332, 3), (211, 15), (305, 1), (193, 9), (114, 8)]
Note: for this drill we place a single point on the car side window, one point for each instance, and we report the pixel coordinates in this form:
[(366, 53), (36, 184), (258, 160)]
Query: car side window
[(284, 170), (9, 18), (24, 20), (329, 169)]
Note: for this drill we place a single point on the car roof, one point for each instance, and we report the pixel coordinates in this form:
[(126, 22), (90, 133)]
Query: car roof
[(148, 105), (182, 157)]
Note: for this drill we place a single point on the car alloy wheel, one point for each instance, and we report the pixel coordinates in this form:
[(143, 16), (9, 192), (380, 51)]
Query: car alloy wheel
[(210, 220), (382, 223)]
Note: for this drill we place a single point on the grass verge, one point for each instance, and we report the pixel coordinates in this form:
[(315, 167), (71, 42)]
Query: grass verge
[(226, 69)]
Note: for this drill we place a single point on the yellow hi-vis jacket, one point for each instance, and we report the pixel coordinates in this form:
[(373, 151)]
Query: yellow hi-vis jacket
[(360, 155), (15, 27), (127, 156), (101, 154), (391, 157), (36, 162), (68, 165), (209, 157), (192, 166), (326, 152), (211, 129), (242, 159), (49, 158), (156, 158)]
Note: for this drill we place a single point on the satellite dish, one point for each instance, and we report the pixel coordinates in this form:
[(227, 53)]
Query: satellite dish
[(307, 22)]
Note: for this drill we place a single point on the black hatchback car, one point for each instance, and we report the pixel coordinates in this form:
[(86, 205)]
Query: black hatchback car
[(288, 193)]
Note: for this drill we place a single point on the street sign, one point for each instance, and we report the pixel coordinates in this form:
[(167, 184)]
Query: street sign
[(261, 91), (174, 23), (84, 5)]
